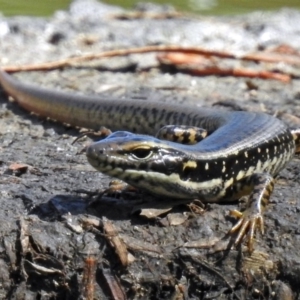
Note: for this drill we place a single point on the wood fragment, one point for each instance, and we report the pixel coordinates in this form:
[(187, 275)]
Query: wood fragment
[(43, 270), (89, 278), (115, 241), (114, 285), (201, 65), (71, 61), (140, 245), (270, 57), (152, 213), (113, 53)]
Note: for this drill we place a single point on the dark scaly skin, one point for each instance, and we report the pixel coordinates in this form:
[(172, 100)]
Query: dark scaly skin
[(241, 154), (188, 135)]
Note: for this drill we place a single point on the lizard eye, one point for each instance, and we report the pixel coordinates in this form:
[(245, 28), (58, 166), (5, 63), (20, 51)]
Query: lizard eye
[(142, 153)]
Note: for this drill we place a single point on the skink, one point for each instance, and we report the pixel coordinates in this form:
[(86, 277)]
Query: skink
[(241, 154)]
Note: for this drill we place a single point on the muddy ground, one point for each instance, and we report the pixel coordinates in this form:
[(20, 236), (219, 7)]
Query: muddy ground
[(55, 245)]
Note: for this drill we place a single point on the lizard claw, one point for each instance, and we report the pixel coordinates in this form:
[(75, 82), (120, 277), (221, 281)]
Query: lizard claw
[(246, 226)]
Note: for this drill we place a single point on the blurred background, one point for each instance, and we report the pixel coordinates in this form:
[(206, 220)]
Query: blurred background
[(207, 7)]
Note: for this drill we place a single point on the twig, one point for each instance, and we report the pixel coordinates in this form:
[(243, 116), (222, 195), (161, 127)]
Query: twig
[(267, 57)]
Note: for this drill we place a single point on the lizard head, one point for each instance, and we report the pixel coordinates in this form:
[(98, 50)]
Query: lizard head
[(142, 161)]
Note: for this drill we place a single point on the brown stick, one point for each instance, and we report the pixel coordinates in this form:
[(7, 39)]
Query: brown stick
[(119, 52), (239, 73), (260, 56), (267, 57)]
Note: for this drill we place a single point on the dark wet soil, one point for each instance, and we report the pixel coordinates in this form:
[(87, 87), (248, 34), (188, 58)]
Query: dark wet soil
[(56, 246)]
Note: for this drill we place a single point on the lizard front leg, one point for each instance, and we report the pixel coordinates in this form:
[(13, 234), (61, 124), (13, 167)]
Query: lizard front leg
[(252, 218)]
